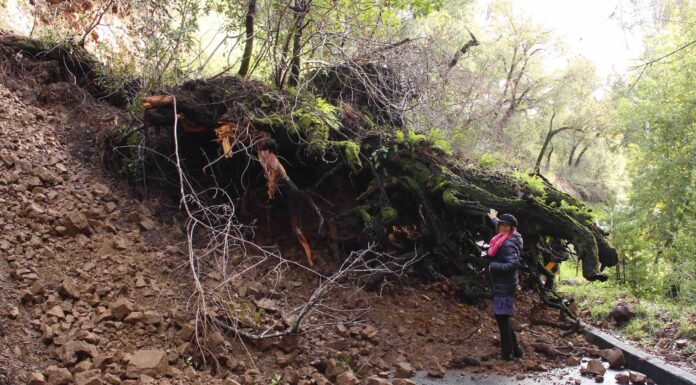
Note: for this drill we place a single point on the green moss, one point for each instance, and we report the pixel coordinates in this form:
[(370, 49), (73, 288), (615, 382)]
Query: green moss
[(531, 182), (488, 161), (388, 214), (415, 169), (449, 198), (368, 221), (314, 121), (274, 121), (581, 213), (351, 151)]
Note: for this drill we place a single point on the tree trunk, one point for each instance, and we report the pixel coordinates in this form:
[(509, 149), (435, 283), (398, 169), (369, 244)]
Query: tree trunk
[(249, 44), (294, 79), (462, 51), (548, 158), (577, 160), (572, 153), (295, 64)]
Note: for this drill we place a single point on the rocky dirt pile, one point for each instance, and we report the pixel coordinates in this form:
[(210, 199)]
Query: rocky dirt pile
[(94, 285)]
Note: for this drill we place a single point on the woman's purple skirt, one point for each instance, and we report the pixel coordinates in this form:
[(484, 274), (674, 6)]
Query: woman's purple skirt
[(504, 305)]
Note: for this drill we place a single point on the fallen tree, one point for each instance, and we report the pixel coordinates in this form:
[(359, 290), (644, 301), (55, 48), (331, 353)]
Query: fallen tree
[(336, 181), (397, 188)]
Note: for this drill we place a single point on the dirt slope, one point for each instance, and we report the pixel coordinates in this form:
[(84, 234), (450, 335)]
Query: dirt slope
[(94, 286)]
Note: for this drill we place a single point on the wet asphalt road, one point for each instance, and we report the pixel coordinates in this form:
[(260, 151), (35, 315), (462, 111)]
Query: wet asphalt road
[(564, 376)]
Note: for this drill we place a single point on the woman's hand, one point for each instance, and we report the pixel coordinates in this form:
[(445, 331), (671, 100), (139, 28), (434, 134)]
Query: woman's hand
[(493, 213)]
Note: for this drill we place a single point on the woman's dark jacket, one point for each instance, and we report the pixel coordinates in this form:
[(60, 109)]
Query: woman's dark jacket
[(504, 266)]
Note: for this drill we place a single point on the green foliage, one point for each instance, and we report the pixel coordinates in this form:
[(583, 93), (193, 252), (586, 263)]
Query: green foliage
[(655, 316), (369, 223), (315, 120), (131, 161), (531, 182), (434, 138), (351, 152), (389, 214), (654, 231), (488, 161), (438, 140)]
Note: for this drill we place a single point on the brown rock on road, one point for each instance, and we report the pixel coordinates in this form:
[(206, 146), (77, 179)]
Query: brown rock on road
[(149, 362)]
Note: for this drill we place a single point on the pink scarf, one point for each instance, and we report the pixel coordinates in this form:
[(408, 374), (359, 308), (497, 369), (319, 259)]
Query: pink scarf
[(496, 242)]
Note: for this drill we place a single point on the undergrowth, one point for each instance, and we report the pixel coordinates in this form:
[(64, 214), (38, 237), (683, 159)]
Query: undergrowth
[(658, 322)]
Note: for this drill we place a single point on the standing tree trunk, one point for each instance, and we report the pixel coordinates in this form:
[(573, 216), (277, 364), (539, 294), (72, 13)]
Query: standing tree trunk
[(577, 160), (301, 9), (249, 45), (549, 135), (548, 158), (572, 153)]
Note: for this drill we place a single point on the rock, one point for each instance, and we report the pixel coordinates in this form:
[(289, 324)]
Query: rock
[(673, 357), (347, 378), (133, 317), (267, 304), (369, 332), (76, 223), (333, 369), (402, 381), (342, 330), (147, 223), (622, 313), (149, 362), (141, 219), (90, 377), (152, 318), (36, 378), (572, 361), (374, 380), (436, 370), (291, 376), (404, 370), (69, 289), (37, 288), (571, 281), (111, 379), (13, 313), (681, 343), (599, 378), (637, 378), (120, 243), (470, 361), (73, 351), (25, 295), (82, 366), (58, 376), (121, 308), (614, 356), (104, 315), (595, 367), (533, 365), (101, 361), (622, 378)]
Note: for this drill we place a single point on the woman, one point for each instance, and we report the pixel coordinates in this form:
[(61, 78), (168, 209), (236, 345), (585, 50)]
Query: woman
[(505, 252)]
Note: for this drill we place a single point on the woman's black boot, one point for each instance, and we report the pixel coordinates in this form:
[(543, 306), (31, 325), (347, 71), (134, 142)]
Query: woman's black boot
[(517, 350)]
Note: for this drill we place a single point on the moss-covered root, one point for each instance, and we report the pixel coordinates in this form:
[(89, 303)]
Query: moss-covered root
[(534, 217)]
